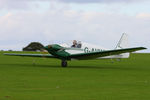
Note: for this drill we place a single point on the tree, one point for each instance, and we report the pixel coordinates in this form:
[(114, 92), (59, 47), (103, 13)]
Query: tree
[(34, 46)]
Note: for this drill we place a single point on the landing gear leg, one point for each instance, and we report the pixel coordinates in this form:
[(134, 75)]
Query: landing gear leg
[(64, 63)]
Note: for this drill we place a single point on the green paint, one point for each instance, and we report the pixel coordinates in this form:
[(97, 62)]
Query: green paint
[(58, 51)]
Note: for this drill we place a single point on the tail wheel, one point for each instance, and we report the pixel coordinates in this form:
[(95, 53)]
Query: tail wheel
[(64, 63)]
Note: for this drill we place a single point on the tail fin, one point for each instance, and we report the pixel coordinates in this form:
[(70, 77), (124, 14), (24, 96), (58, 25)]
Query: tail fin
[(123, 43)]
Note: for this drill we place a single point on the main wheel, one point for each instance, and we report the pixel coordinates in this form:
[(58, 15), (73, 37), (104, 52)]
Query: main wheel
[(64, 63)]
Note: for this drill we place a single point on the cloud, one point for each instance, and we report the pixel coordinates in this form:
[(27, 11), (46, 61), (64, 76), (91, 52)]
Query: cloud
[(26, 4), (144, 16), (13, 4), (57, 26), (98, 1)]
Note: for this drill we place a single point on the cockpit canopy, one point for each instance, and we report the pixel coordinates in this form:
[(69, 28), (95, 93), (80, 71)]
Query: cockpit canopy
[(72, 44), (76, 44)]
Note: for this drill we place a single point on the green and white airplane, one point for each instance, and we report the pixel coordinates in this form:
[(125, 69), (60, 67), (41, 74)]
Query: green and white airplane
[(85, 51)]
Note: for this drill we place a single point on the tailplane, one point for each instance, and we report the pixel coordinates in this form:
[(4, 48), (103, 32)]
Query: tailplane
[(123, 43)]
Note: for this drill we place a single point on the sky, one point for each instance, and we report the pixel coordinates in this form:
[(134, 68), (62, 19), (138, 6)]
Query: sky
[(100, 22)]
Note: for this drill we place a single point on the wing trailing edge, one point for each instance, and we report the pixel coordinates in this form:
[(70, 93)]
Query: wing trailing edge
[(93, 55)]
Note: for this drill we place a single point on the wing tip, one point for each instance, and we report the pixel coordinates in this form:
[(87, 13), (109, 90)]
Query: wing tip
[(8, 54), (5, 54), (143, 47)]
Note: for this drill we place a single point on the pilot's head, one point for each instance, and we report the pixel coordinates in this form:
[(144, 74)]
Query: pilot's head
[(74, 42)]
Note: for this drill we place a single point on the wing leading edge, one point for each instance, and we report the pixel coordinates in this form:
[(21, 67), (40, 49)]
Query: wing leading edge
[(93, 55), (31, 55)]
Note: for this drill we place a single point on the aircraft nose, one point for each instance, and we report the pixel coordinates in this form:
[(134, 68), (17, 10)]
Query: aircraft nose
[(53, 47), (48, 47)]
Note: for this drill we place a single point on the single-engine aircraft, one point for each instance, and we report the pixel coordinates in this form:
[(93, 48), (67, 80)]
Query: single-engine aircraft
[(85, 51)]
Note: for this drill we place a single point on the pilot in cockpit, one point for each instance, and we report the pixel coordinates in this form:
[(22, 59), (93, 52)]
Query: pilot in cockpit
[(74, 44)]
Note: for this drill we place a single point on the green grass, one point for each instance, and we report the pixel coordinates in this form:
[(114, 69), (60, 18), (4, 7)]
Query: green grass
[(23, 78)]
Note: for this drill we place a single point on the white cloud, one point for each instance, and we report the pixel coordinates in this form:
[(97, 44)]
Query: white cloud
[(98, 1), (13, 4), (57, 25), (26, 4), (144, 16)]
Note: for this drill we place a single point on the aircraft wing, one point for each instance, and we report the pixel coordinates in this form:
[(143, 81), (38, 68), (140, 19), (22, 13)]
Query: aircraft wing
[(93, 55), (31, 55)]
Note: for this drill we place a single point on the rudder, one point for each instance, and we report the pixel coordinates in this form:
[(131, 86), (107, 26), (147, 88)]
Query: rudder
[(123, 43)]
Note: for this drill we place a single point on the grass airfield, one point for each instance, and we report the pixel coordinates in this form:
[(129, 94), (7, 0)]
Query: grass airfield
[(23, 78)]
